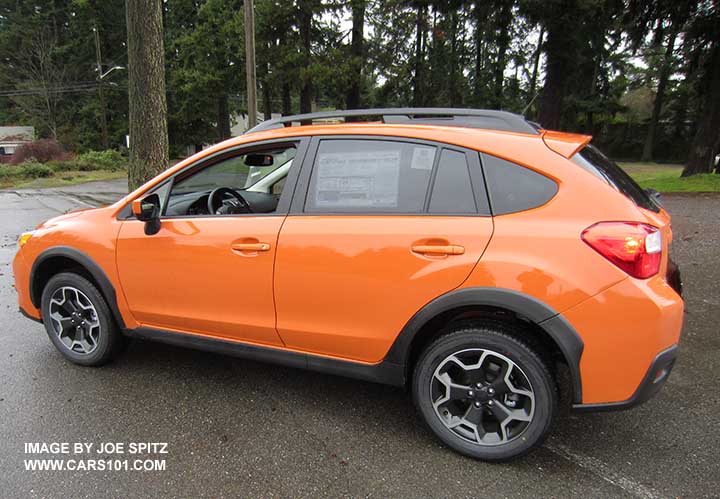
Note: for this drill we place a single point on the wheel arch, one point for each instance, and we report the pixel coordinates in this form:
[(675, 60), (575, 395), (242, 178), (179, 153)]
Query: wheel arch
[(547, 324), (64, 258)]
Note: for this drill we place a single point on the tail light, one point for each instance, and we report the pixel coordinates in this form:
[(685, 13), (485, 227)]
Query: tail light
[(635, 248)]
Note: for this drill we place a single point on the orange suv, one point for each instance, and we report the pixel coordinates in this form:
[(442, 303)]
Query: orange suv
[(482, 262)]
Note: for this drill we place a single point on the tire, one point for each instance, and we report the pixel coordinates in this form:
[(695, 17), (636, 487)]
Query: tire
[(485, 393), (100, 340)]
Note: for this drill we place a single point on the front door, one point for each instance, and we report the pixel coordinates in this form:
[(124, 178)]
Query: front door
[(209, 269), (385, 227)]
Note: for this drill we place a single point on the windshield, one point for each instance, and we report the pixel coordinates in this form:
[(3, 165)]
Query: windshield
[(592, 160)]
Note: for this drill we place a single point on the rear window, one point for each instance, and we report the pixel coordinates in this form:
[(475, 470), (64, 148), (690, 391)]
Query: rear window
[(592, 160)]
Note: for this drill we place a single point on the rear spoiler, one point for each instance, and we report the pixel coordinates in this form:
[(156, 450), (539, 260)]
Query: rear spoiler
[(565, 144)]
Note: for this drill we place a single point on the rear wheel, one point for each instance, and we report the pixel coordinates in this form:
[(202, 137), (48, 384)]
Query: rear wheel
[(78, 320), (485, 393)]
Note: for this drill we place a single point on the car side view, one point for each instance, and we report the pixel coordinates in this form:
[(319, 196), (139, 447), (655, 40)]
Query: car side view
[(491, 267)]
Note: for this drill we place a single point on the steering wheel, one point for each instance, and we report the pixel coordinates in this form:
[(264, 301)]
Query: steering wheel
[(216, 204)]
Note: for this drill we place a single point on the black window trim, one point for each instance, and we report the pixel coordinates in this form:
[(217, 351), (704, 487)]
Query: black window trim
[(473, 189), (301, 144), (477, 178)]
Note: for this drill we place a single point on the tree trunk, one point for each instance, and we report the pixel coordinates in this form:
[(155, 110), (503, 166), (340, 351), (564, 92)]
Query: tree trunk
[(267, 100), (536, 67), (286, 100), (503, 41), (418, 83), (305, 16), (647, 153), (352, 100), (681, 130), (556, 73), (480, 20), (146, 91), (101, 94), (454, 95), (707, 138), (223, 117)]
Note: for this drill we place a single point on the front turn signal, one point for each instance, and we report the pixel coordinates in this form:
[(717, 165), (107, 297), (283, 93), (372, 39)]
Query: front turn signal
[(24, 237)]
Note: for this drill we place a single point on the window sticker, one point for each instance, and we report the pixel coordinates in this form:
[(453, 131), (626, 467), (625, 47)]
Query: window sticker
[(423, 158), (358, 179)]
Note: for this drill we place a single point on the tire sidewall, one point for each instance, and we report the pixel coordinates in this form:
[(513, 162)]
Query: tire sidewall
[(108, 329), (536, 372)]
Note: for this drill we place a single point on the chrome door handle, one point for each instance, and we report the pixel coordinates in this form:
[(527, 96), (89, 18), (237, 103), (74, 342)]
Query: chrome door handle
[(427, 249), (251, 247)]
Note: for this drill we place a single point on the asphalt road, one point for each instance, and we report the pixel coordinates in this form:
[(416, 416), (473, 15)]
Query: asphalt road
[(236, 428)]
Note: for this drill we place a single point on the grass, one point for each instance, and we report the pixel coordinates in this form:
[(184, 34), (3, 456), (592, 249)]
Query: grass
[(60, 179), (666, 178)]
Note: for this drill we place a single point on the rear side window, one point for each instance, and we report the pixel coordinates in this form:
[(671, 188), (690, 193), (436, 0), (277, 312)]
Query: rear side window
[(452, 190), (592, 160), (514, 188), (365, 176)]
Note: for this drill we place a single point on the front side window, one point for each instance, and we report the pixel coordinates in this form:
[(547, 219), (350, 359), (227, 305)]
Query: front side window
[(250, 182), (239, 172), (365, 176)]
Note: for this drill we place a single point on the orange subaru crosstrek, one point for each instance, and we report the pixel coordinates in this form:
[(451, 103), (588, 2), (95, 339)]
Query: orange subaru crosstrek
[(484, 263)]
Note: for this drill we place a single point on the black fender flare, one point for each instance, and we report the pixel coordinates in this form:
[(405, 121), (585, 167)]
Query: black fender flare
[(563, 334), (85, 261)]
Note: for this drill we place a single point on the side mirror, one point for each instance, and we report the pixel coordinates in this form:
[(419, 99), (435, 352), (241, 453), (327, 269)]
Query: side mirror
[(147, 210)]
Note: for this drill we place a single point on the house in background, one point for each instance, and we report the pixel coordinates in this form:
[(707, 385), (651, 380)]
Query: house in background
[(239, 125), (240, 121), (12, 137)]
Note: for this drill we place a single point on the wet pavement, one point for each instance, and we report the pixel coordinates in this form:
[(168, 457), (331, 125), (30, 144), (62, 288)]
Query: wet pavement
[(237, 428)]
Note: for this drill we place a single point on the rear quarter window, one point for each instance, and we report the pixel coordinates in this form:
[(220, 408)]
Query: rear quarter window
[(513, 188)]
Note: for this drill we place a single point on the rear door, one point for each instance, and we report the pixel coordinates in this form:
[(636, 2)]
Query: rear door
[(378, 228)]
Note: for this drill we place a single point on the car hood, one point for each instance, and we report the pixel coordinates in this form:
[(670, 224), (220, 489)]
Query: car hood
[(66, 216)]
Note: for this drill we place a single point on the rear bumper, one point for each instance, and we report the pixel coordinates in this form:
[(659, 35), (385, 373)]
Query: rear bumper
[(653, 381), (625, 329)]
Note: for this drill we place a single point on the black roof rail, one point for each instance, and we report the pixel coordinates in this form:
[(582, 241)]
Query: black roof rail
[(470, 118)]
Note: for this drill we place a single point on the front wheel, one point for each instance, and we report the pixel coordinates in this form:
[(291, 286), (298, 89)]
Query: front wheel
[(78, 320), (485, 393)]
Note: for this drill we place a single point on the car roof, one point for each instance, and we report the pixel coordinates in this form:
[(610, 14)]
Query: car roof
[(564, 144)]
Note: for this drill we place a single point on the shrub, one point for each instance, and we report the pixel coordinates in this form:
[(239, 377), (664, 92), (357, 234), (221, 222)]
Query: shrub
[(90, 161), (41, 151), (62, 166), (100, 160), (36, 170), (10, 171)]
